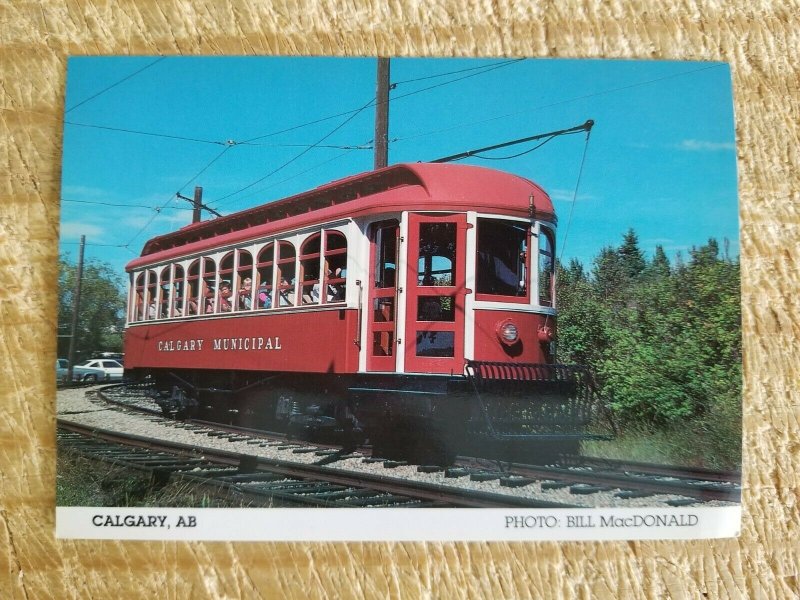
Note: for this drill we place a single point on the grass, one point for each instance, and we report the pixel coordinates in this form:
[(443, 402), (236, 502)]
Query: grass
[(713, 441), (84, 482)]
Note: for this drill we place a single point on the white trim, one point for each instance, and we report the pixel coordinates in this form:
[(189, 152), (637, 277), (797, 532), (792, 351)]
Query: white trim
[(402, 294), (470, 247), (338, 224)]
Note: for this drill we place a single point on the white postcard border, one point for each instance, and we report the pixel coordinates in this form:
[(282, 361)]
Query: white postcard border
[(397, 524)]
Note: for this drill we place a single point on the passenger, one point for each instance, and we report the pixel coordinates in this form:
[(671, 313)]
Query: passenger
[(265, 296), (208, 304), (285, 292), (224, 300), (246, 294)]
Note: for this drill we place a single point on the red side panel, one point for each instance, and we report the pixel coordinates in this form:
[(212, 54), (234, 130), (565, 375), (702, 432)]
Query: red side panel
[(311, 342), (527, 350)]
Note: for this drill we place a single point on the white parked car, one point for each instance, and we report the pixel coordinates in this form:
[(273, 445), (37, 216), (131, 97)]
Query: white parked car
[(112, 369), (85, 374)]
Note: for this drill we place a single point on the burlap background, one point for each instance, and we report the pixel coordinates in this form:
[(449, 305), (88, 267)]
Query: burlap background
[(759, 39)]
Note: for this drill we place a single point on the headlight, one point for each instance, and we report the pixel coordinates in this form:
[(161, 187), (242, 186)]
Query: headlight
[(507, 332)]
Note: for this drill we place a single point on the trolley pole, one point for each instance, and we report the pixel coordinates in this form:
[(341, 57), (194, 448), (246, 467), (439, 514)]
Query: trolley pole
[(382, 115), (76, 303), (198, 204)]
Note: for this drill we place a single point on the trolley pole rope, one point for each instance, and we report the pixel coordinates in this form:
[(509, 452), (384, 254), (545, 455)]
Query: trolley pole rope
[(587, 127)]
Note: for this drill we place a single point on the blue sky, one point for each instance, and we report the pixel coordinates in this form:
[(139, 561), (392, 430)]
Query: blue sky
[(661, 157)]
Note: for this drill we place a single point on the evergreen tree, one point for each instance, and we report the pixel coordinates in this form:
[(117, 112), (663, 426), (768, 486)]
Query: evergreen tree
[(631, 257)]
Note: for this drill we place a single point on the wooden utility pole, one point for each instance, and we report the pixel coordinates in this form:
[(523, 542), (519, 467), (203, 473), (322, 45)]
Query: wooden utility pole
[(76, 304), (382, 115), (198, 204)]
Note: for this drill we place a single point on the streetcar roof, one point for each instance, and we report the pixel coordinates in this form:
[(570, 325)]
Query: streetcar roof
[(406, 186)]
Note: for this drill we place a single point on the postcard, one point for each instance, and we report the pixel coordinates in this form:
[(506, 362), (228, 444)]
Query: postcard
[(400, 288)]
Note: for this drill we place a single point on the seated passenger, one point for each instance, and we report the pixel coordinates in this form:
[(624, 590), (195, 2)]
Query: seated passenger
[(285, 293), (224, 302), (265, 296), (246, 294)]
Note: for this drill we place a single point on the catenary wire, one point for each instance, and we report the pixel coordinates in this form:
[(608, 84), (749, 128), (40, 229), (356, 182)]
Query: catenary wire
[(219, 201), (115, 84), (552, 104)]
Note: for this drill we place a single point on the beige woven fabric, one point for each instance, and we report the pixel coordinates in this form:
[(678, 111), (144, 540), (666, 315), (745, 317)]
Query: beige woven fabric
[(759, 39)]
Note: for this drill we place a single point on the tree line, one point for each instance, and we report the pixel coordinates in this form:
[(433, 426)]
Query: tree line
[(101, 317), (664, 339)]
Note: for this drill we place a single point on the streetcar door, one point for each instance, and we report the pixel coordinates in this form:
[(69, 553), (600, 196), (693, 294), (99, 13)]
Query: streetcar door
[(382, 307), (434, 330)]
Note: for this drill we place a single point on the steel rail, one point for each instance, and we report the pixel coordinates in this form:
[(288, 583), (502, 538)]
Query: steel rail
[(693, 489), (440, 495)]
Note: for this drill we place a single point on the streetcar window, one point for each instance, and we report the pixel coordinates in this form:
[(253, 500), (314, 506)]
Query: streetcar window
[(138, 303), (152, 295), (193, 288), (436, 343), (501, 261), (208, 285), (335, 267), (178, 284), (309, 269), (546, 267), (286, 274), (382, 343), (386, 256), (244, 282), (436, 308), (163, 294), (264, 272), (437, 254)]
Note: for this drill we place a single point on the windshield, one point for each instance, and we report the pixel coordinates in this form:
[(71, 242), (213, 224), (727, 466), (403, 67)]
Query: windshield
[(501, 263)]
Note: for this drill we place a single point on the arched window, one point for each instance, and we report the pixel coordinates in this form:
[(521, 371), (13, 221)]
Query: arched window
[(178, 285), (335, 266), (309, 269), (163, 293), (264, 274), (151, 297), (138, 298), (208, 284), (193, 288), (224, 298), (286, 274), (244, 282)]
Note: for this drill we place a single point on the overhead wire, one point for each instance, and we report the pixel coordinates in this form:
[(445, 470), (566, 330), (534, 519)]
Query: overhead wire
[(171, 198), (480, 67), (484, 69), (115, 84), (120, 205), (313, 167), (353, 114), (219, 202), (553, 104), (148, 133)]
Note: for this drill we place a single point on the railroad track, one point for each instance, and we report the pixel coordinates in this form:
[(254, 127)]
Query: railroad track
[(581, 478), (266, 480)]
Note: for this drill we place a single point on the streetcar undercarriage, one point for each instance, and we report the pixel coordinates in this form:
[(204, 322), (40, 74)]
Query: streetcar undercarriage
[(517, 413)]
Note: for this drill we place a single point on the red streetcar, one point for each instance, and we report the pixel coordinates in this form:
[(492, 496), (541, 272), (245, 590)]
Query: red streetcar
[(413, 306)]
